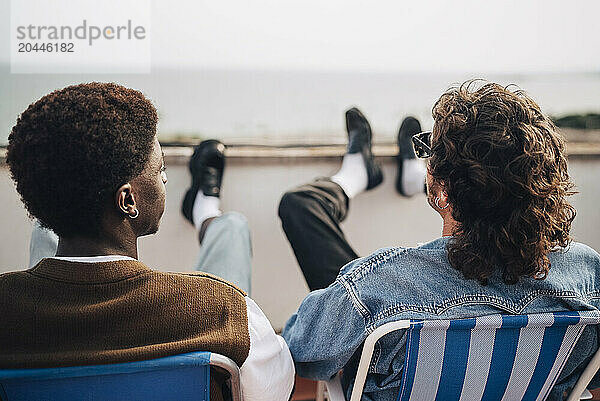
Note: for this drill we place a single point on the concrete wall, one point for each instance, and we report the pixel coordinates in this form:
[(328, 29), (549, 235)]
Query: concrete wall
[(254, 186)]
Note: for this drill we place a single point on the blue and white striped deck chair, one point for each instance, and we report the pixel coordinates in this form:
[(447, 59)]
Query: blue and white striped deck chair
[(495, 357)]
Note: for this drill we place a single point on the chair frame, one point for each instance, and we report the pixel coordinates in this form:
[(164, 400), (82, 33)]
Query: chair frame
[(585, 378), (223, 362), (334, 387)]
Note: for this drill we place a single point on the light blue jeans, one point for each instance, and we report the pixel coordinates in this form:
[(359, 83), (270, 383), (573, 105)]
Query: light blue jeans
[(226, 249)]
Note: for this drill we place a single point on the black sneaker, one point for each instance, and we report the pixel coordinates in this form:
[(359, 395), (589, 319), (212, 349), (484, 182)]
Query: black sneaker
[(206, 165), (408, 128), (359, 141)]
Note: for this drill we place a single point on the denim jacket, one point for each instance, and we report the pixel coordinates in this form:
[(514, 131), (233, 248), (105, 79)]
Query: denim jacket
[(326, 333)]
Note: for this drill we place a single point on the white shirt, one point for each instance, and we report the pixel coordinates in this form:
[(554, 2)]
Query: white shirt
[(268, 372)]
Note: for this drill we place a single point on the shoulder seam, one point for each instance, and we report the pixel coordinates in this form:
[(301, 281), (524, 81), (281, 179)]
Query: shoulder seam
[(373, 260)]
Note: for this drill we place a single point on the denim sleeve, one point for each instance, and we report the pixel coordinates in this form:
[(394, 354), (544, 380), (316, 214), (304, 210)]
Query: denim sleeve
[(325, 332)]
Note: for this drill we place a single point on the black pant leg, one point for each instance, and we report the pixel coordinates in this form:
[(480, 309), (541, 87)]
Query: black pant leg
[(311, 216)]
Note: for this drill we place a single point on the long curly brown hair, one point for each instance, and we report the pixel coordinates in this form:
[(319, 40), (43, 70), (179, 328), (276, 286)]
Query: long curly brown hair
[(503, 165)]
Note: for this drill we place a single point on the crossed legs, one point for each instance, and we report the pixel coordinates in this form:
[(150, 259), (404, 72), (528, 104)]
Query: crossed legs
[(311, 214)]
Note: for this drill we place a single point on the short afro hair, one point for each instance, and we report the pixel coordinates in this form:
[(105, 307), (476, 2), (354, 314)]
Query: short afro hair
[(73, 148)]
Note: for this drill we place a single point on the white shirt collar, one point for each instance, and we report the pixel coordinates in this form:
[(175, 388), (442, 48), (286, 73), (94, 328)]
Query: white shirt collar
[(93, 259)]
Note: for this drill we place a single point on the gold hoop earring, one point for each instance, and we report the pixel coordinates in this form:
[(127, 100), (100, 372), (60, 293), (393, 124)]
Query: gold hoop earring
[(437, 203)]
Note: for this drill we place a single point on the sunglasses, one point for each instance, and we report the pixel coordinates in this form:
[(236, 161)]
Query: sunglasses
[(422, 144)]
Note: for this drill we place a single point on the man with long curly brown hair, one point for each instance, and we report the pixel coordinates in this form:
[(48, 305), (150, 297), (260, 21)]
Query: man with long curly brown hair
[(496, 172)]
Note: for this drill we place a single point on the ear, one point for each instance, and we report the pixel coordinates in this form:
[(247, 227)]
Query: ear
[(125, 200), (443, 195), (439, 189)]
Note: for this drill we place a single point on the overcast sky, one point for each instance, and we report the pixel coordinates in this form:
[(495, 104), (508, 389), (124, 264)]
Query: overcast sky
[(382, 35), (387, 35)]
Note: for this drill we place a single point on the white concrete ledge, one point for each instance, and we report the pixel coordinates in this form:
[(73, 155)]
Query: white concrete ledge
[(181, 154)]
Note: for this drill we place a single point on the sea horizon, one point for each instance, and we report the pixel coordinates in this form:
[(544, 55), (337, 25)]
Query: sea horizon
[(266, 106)]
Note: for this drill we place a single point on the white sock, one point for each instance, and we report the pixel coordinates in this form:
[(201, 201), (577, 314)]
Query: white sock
[(413, 176), (352, 176), (204, 208)]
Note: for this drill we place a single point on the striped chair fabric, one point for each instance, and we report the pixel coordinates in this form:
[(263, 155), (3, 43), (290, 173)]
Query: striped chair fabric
[(496, 357)]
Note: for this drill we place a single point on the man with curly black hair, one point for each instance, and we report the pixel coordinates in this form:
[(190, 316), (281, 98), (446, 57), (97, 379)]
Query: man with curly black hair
[(88, 166), (497, 175)]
